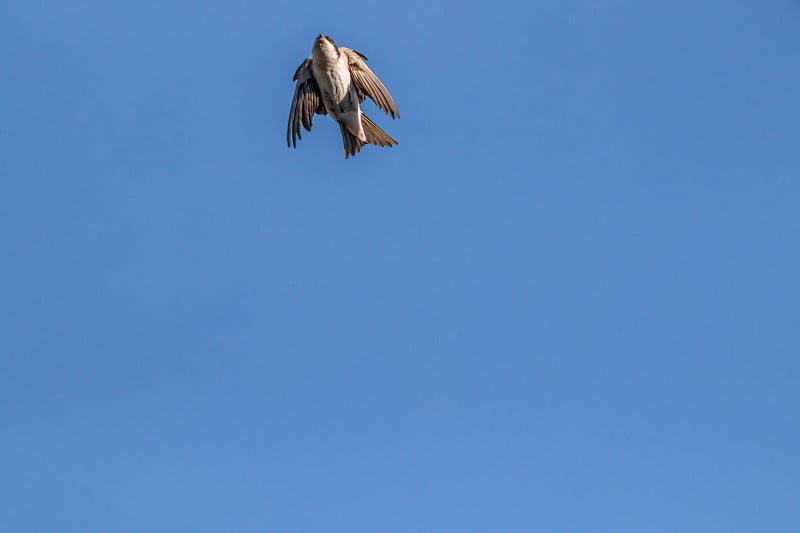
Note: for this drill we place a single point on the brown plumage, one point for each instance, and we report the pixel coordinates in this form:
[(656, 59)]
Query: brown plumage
[(335, 81)]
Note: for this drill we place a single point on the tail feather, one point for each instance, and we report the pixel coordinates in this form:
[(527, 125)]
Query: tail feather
[(351, 144), (374, 135)]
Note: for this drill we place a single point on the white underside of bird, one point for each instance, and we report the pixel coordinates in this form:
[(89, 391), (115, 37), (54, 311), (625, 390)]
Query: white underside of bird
[(337, 91)]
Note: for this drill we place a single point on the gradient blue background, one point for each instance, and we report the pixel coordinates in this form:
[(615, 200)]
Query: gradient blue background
[(566, 302)]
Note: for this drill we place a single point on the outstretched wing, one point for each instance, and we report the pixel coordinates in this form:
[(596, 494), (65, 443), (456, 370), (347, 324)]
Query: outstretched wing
[(305, 103), (367, 83)]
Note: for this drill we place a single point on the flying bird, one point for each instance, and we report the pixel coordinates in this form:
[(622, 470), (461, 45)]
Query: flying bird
[(335, 81)]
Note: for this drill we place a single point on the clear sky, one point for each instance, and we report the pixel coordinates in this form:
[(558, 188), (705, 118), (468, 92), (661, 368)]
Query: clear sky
[(568, 301)]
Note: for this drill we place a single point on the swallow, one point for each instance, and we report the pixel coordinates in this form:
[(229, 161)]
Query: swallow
[(335, 81)]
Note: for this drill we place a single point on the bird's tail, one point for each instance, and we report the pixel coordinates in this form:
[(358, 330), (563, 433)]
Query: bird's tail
[(374, 135), (352, 145)]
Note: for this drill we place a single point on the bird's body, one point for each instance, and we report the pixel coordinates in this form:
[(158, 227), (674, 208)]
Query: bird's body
[(338, 94), (334, 81)]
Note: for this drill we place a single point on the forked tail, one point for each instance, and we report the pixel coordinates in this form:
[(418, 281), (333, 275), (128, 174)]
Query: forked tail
[(375, 135)]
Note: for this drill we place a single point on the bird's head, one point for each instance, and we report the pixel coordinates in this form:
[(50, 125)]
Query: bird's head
[(324, 46)]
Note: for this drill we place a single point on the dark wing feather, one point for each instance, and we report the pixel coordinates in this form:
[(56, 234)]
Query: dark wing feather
[(367, 83), (305, 103)]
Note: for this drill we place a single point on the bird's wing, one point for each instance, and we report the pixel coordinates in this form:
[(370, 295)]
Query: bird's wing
[(367, 83), (305, 103)]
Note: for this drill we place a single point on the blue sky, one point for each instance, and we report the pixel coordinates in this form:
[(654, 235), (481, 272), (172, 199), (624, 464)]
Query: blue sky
[(566, 302)]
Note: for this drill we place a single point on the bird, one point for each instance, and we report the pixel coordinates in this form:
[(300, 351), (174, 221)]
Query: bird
[(335, 81)]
